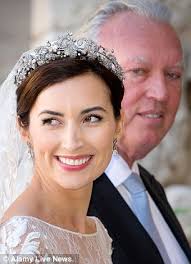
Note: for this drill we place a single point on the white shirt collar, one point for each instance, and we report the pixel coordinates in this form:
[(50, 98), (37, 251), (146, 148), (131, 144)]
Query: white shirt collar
[(118, 170)]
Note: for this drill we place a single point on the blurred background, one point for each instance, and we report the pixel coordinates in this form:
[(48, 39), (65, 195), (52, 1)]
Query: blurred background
[(26, 23)]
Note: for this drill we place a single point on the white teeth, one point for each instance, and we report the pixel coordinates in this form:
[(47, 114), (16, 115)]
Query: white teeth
[(73, 162), (152, 116)]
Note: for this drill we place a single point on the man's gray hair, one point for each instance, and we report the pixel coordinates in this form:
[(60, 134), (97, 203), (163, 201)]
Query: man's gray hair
[(149, 8)]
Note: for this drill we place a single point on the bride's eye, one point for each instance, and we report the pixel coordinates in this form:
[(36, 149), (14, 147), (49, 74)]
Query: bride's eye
[(93, 118), (50, 122)]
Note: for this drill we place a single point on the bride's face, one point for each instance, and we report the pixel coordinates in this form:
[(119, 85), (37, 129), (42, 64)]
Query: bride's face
[(71, 130)]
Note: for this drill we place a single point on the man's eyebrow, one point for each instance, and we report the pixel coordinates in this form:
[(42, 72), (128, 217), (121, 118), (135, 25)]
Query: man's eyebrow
[(139, 59), (94, 108), (180, 64), (50, 112)]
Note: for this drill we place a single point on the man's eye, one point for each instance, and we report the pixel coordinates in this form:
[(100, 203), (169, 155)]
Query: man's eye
[(174, 75), (93, 118), (50, 122), (138, 71)]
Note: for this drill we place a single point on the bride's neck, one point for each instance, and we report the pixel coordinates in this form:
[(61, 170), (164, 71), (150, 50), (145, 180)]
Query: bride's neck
[(55, 205), (52, 198)]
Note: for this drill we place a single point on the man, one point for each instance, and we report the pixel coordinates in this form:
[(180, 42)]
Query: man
[(143, 230)]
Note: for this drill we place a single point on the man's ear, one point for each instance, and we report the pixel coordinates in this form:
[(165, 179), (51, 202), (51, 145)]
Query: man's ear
[(23, 130)]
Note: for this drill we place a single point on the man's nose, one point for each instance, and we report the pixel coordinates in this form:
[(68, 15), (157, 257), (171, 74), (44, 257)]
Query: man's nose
[(158, 88), (72, 137)]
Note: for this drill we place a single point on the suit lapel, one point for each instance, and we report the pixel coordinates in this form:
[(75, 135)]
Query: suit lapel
[(121, 223), (160, 200)]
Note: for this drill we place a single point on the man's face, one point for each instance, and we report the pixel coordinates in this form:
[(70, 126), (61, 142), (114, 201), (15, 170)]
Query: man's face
[(151, 56)]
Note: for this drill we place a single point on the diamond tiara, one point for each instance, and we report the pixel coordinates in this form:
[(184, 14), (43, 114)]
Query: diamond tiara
[(66, 46)]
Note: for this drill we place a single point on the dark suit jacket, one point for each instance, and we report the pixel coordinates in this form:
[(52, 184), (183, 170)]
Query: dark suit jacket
[(131, 243)]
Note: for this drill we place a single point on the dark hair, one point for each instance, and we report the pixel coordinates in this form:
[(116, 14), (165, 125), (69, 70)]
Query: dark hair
[(58, 71)]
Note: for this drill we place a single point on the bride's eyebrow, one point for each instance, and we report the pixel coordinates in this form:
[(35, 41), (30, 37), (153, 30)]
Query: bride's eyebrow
[(51, 113), (95, 108), (85, 111)]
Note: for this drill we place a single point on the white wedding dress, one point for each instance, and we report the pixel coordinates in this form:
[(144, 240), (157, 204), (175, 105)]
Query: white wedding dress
[(30, 236)]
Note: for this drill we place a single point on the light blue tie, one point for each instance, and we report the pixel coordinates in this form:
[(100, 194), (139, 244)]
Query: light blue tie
[(141, 208)]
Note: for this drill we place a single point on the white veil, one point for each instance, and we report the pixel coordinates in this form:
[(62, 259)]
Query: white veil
[(15, 162)]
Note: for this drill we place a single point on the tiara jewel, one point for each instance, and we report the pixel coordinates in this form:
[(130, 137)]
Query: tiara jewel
[(66, 46)]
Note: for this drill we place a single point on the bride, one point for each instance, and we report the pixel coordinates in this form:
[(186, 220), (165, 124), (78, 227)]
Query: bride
[(65, 97)]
